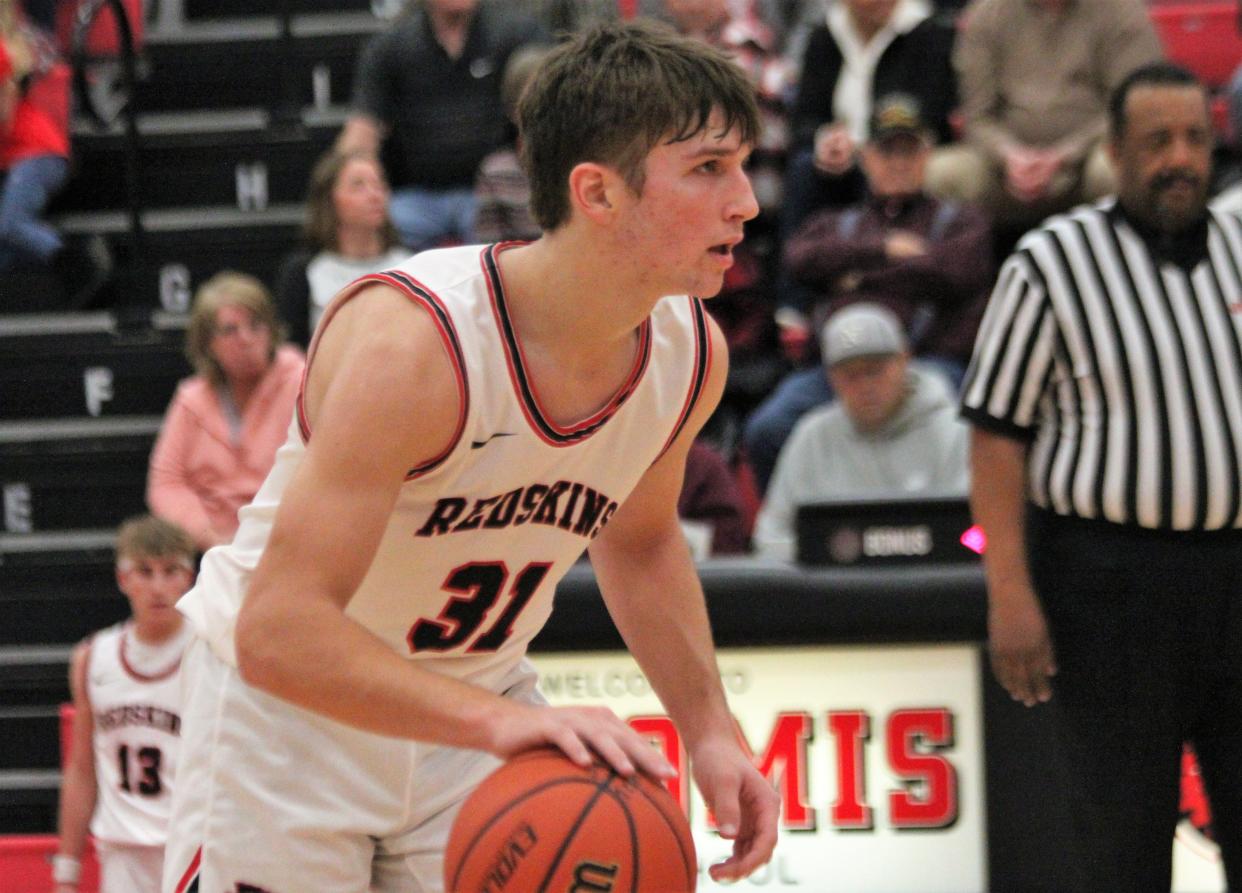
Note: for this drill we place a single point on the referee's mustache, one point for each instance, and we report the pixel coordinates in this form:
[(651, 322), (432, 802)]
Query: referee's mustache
[(1172, 178)]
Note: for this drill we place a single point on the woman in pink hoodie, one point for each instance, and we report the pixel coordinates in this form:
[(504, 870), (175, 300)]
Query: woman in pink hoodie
[(224, 425)]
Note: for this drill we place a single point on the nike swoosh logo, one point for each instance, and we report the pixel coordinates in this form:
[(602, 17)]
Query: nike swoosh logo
[(477, 444)]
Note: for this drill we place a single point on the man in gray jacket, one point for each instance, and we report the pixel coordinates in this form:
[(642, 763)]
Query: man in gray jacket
[(893, 430)]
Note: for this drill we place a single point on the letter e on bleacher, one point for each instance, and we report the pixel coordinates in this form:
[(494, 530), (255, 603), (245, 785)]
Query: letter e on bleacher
[(17, 514)]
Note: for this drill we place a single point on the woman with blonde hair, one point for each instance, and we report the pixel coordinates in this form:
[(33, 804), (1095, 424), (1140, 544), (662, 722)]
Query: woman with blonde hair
[(225, 423), (347, 233)]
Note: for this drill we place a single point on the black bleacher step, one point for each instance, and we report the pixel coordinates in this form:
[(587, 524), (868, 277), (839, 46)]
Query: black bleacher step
[(208, 9), (251, 64), (31, 291), (31, 738), (56, 588), (250, 168), (34, 675), (28, 799), (85, 366), (185, 246), (74, 474)]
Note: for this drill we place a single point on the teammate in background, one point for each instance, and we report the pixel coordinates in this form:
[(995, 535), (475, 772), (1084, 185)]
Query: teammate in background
[(126, 726), (471, 421)]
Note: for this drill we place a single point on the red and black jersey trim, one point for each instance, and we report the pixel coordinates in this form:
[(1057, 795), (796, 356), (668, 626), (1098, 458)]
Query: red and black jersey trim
[(429, 300), (134, 674), (547, 430), (702, 365), (189, 879)]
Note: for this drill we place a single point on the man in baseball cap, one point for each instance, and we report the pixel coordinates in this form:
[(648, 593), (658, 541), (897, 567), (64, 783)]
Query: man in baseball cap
[(893, 430), (898, 115), (867, 363)]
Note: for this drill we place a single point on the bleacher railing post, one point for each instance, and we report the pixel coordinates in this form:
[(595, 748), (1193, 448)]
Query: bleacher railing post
[(132, 280)]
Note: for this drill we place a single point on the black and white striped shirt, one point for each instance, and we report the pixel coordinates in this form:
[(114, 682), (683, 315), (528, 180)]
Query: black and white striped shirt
[(1124, 372)]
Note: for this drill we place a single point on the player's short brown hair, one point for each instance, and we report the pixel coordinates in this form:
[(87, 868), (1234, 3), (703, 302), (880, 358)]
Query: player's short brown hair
[(146, 536), (611, 94), (227, 289)]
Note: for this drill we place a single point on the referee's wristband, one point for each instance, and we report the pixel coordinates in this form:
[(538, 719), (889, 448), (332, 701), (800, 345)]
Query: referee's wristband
[(66, 870)]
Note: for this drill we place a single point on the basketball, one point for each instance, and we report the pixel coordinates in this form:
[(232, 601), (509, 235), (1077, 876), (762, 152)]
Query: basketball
[(542, 823)]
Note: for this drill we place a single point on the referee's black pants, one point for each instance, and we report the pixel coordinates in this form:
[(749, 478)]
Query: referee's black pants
[(1147, 628)]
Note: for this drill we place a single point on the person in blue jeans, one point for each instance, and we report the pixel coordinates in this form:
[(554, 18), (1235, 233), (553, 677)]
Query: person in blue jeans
[(34, 148), (28, 187), (427, 102), (34, 161)]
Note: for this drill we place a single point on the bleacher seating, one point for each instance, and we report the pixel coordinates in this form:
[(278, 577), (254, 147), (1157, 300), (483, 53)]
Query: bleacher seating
[(244, 63), (1203, 35), (232, 113), (80, 403)]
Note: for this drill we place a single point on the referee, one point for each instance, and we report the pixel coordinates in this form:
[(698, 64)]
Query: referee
[(1105, 396)]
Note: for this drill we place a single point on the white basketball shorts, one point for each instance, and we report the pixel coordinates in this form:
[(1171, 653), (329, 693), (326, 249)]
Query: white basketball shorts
[(271, 798)]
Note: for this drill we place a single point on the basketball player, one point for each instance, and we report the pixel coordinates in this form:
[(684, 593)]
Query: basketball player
[(469, 423), (126, 725)]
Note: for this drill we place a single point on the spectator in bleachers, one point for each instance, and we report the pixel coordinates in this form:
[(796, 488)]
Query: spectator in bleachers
[(710, 502), (224, 425), (893, 432), (427, 101), (34, 160), (1035, 77), (788, 21), (119, 772), (864, 49), (501, 188), (926, 259), (568, 16), (347, 233), (737, 28)]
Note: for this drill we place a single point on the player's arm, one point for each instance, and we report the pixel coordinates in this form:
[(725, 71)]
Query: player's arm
[(653, 593), (1018, 638), (381, 398), (78, 789)]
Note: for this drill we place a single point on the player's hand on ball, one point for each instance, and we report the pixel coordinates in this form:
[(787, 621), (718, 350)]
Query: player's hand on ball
[(745, 805), (584, 734)]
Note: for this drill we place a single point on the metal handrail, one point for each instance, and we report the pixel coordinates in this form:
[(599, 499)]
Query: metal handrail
[(87, 13)]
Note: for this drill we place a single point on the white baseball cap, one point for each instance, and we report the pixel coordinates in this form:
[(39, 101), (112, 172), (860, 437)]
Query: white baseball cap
[(861, 330)]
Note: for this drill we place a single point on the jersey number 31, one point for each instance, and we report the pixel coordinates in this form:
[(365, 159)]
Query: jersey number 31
[(481, 584)]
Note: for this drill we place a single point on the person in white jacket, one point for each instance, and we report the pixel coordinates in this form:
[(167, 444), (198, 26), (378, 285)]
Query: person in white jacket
[(893, 430)]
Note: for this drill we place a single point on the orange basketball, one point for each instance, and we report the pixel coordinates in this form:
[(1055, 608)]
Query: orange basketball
[(542, 823)]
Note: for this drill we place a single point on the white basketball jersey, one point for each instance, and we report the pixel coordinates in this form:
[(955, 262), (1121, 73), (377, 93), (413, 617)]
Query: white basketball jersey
[(480, 535), (137, 714)]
